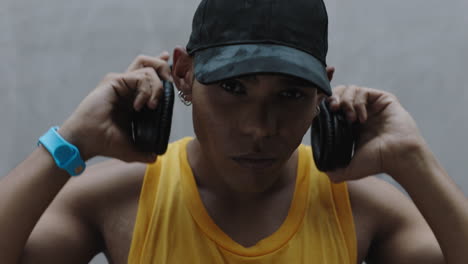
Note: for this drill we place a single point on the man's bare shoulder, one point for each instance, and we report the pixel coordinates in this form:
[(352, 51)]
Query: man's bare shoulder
[(389, 227), (93, 212), (108, 198), (373, 199), (117, 205), (104, 201), (104, 184)]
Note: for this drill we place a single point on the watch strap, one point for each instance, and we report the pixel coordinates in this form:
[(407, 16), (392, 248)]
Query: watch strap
[(66, 155)]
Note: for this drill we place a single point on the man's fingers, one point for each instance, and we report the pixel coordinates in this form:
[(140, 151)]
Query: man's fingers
[(155, 95), (334, 100), (148, 89), (143, 61), (353, 100), (347, 102), (123, 85), (165, 55), (142, 86), (140, 100), (360, 103), (159, 64), (149, 86)]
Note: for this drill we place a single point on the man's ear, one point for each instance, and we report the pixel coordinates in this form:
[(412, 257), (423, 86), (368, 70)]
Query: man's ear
[(330, 72), (182, 71)]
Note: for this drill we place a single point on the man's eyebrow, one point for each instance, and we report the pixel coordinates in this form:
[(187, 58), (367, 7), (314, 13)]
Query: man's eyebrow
[(248, 78), (296, 82), (284, 80)]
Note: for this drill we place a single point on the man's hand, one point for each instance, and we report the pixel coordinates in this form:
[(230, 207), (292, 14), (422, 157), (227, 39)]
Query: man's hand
[(388, 135), (101, 125)]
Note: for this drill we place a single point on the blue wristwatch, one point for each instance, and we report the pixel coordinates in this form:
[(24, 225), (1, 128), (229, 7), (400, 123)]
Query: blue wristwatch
[(66, 155)]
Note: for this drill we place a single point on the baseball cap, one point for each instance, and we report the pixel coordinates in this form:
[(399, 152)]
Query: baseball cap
[(231, 38)]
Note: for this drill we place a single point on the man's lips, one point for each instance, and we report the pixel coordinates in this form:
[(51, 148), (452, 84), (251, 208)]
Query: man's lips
[(254, 161)]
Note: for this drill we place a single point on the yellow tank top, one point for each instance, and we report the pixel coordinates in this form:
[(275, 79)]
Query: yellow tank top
[(173, 226)]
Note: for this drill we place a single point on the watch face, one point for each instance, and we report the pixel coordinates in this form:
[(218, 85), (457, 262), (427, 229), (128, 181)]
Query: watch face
[(64, 153)]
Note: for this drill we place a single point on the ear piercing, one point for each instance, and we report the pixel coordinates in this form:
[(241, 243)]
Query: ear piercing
[(183, 98)]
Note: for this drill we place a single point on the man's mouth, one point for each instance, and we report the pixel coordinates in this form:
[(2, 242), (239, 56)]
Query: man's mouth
[(252, 161)]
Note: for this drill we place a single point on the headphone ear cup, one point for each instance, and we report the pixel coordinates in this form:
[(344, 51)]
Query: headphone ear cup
[(151, 128), (332, 139), (322, 138), (143, 129), (165, 119), (345, 137)]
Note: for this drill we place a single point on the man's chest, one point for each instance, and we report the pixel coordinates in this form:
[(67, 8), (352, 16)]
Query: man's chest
[(118, 225), (117, 232)]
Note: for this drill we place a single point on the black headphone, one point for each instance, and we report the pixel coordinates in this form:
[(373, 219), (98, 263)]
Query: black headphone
[(151, 128), (332, 136)]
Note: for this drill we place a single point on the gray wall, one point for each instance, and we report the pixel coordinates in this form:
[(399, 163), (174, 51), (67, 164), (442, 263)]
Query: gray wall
[(53, 52)]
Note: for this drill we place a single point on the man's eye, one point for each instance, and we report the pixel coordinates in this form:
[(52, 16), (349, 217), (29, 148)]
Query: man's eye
[(233, 86), (293, 94)]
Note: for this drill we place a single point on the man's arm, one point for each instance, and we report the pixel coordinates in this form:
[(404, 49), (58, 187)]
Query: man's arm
[(63, 234), (390, 142), (99, 126), (434, 228), (79, 223), (390, 227), (440, 201), (25, 193)]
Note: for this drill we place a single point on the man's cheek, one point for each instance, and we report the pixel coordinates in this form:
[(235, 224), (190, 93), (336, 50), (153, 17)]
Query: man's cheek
[(213, 126)]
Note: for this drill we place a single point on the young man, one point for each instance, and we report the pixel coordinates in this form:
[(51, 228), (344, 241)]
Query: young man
[(243, 190)]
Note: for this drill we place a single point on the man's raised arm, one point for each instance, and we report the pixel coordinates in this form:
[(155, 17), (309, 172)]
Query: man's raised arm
[(99, 126)]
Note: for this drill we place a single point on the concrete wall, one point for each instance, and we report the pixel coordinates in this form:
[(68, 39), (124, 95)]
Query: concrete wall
[(54, 52)]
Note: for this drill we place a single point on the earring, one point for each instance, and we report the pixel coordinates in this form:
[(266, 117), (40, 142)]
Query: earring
[(318, 110), (183, 98)]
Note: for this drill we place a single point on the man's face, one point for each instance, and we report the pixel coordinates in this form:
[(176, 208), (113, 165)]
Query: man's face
[(249, 127)]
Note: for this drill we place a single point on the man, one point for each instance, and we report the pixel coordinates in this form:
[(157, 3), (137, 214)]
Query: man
[(243, 190)]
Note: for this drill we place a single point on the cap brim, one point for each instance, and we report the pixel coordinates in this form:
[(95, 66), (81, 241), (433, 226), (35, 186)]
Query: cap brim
[(224, 62)]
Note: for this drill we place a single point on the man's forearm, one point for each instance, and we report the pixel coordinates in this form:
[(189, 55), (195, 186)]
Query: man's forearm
[(25, 193), (441, 202)]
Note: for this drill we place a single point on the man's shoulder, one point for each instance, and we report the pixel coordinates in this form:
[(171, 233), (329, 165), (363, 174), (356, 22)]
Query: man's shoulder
[(106, 190), (104, 185), (374, 201), (383, 216), (93, 212), (106, 197), (374, 193)]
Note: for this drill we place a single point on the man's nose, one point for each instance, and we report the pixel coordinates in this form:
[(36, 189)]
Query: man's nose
[(260, 121)]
